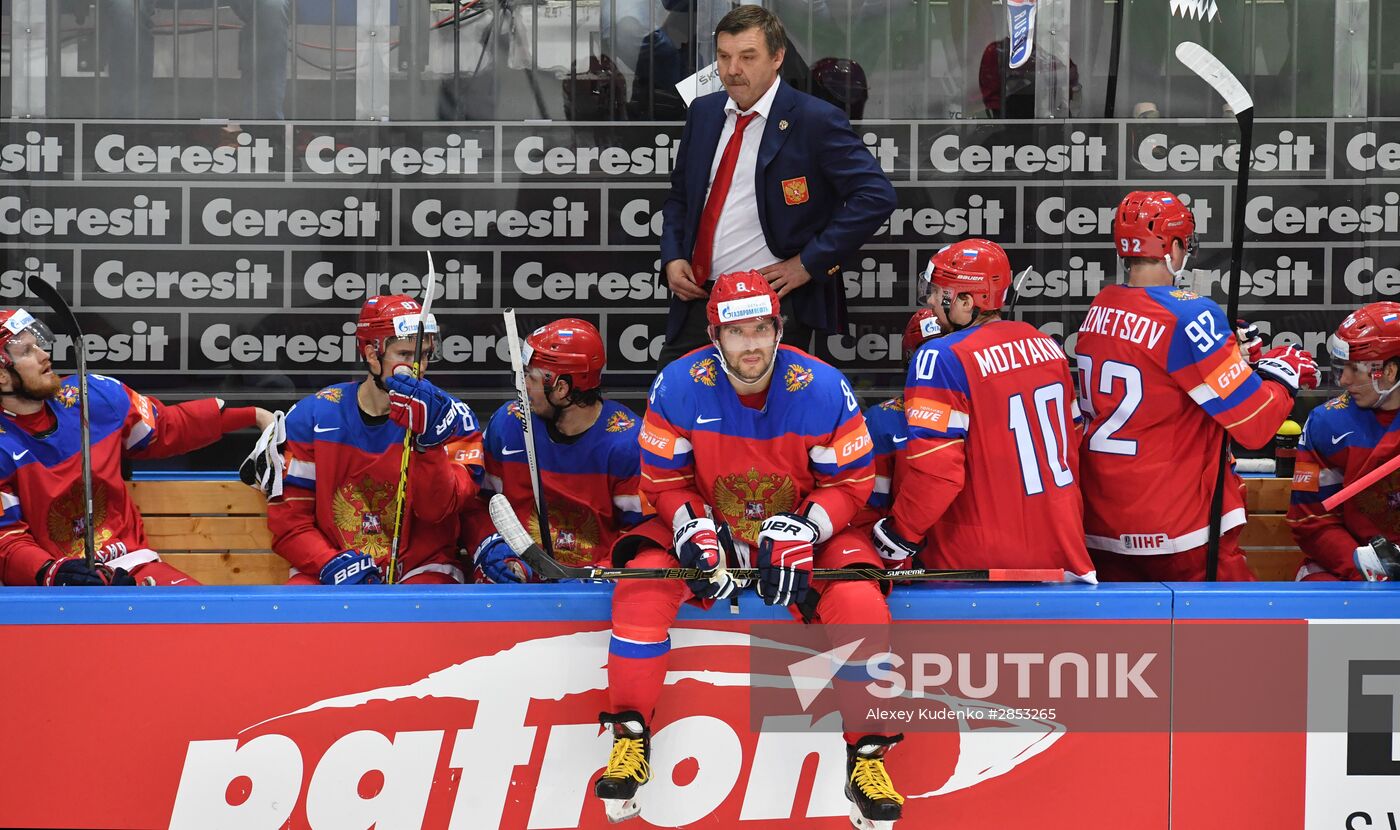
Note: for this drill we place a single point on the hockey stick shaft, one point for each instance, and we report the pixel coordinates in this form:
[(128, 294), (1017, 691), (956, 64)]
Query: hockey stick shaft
[(1344, 495), (1213, 72), (418, 370), (527, 417), (49, 295), (503, 516)]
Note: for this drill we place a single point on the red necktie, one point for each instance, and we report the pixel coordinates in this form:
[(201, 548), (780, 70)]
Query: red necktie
[(703, 256)]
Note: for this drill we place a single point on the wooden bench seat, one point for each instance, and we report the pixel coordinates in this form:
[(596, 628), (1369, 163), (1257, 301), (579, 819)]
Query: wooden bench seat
[(216, 531)]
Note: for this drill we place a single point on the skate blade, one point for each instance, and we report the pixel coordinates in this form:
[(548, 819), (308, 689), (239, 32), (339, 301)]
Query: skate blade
[(621, 809), (859, 821)]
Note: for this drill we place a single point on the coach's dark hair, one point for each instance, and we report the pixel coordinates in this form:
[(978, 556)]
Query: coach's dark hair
[(742, 18)]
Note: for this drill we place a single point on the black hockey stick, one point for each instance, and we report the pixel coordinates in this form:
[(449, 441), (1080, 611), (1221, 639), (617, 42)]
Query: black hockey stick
[(503, 516), (418, 371), (527, 417), (1237, 98), (68, 323)]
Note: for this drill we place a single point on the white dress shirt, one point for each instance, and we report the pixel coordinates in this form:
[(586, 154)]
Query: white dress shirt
[(739, 242)]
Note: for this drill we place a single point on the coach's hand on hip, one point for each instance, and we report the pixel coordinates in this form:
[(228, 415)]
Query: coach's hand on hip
[(681, 280), (786, 275)]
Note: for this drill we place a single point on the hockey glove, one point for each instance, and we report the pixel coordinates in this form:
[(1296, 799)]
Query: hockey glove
[(1251, 344), (496, 563), (426, 411), (894, 549), (785, 551), (350, 567), (697, 546), (1289, 365), (74, 572), (1378, 560)]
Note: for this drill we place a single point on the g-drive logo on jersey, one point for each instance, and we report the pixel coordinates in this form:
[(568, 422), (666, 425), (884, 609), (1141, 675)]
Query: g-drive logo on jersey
[(306, 764), (744, 308)]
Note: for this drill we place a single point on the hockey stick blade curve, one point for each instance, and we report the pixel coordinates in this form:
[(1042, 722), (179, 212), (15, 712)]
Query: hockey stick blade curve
[(508, 525), (1212, 71), (49, 296)]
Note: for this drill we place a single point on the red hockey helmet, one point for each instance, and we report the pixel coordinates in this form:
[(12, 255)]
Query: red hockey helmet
[(20, 331), (1148, 221), (974, 266), (922, 326), (1371, 333), (742, 295), (567, 347), (391, 317)]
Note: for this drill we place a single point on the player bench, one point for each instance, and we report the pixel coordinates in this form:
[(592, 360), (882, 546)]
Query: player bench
[(216, 531)]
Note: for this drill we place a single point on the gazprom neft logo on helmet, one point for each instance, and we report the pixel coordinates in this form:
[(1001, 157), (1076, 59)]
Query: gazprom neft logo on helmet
[(928, 327), (744, 308), (406, 325), (19, 321)]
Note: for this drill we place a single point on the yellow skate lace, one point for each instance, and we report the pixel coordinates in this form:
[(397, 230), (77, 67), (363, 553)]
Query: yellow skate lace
[(872, 779), (628, 760)]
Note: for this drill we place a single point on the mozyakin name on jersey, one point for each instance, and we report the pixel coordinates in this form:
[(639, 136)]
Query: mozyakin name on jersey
[(323, 281), (249, 155), (456, 156), (566, 220), (247, 281), (36, 154), (12, 280), (219, 344), (1291, 153), (1262, 217), (145, 217), (1366, 153), (354, 218), (1083, 154), (1016, 354), (1054, 216)]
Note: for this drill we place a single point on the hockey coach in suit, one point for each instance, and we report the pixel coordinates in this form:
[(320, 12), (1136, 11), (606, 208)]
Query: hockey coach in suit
[(766, 178)]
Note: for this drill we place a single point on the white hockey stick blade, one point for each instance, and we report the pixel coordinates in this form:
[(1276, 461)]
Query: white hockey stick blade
[(508, 525), (429, 290), (1213, 72)]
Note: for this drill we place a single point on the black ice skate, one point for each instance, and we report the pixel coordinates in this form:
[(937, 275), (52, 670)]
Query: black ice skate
[(1378, 561), (628, 765), (875, 805)]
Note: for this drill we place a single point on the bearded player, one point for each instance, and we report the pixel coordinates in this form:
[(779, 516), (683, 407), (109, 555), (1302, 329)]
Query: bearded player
[(763, 443), (1161, 376), (889, 433), (589, 462), (335, 519), (1343, 440), (43, 527), (991, 461)]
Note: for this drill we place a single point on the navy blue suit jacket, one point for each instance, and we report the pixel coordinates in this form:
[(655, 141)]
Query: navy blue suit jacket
[(848, 197)]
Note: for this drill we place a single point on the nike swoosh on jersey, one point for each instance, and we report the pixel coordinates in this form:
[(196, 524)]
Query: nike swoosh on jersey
[(511, 452), (18, 455), (899, 440), (1337, 439), (703, 420), (317, 428)]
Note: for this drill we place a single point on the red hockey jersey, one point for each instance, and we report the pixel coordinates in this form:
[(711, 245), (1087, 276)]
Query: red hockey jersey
[(342, 477), (990, 475), (1160, 375), (1341, 443), (590, 484), (808, 446), (41, 481)]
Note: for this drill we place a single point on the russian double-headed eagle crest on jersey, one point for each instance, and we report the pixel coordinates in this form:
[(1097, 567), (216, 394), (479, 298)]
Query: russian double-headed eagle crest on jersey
[(1185, 294), (362, 512), (67, 523), (746, 499), (575, 533), (620, 422), (797, 377), (67, 396), (893, 404), (704, 371), (514, 408), (331, 393), (1339, 402)]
